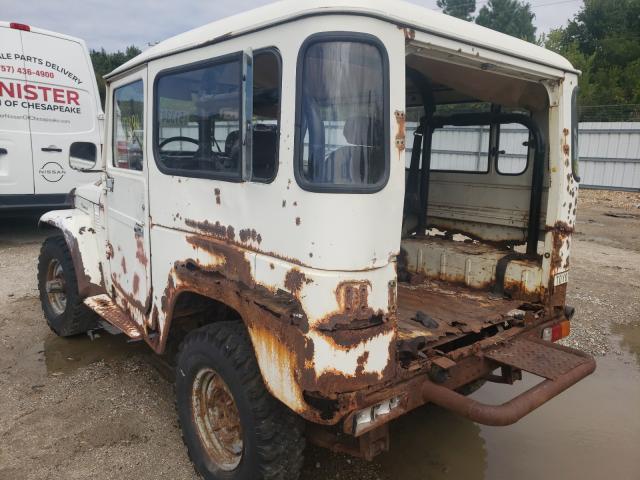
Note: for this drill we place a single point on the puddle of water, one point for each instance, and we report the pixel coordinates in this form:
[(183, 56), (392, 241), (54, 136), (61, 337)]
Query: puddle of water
[(630, 337), (591, 431), (65, 355)]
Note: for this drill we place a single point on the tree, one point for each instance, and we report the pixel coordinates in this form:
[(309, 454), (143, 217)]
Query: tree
[(104, 63), (513, 17), (463, 9), (603, 41)]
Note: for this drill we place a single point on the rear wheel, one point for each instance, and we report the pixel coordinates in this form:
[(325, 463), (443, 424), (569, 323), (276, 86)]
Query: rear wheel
[(232, 427), (63, 309)]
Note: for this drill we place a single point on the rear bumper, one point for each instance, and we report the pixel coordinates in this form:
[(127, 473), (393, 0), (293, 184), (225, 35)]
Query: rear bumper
[(510, 412), (559, 366), (24, 202)]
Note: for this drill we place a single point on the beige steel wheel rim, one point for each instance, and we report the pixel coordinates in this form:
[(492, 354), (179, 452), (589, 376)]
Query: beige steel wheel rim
[(56, 287), (217, 419)]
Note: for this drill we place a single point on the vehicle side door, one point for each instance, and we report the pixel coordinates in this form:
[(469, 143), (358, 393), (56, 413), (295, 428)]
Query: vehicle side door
[(127, 218)]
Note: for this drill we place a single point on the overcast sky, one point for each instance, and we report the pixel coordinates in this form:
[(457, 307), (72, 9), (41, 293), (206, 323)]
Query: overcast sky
[(115, 24)]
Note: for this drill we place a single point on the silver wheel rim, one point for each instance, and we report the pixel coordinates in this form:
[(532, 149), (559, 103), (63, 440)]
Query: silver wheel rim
[(217, 419), (56, 287)]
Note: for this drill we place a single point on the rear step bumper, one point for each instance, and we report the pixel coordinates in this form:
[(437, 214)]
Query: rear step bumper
[(561, 367)]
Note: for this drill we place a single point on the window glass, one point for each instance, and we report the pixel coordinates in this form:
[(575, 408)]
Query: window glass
[(198, 115), (342, 136), (128, 126), (266, 113), (513, 149), (575, 153), (461, 149)]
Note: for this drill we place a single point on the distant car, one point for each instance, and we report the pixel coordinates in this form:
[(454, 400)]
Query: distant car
[(50, 112)]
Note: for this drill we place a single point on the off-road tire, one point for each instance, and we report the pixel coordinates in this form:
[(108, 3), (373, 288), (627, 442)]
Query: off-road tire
[(272, 435), (76, 318)]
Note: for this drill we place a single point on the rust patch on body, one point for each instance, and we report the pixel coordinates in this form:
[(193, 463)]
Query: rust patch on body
[(109, 251), (140, 253), (294, 280), (136, 283), (123, 264), (400, 133)]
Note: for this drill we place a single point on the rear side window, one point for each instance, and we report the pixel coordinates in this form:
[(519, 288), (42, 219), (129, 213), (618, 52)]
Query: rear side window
[(266, 115), (128, 126), (198, 114), (342, 117)]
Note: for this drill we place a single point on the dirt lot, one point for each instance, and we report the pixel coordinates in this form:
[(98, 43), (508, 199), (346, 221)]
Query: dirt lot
[(77, 409)]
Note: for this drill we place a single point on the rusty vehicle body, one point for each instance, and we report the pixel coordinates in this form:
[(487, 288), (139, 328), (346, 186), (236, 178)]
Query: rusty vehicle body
[(364, 297)]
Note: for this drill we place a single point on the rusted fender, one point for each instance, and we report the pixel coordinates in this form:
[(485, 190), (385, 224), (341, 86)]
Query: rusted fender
[(82, 240), (510, 412)]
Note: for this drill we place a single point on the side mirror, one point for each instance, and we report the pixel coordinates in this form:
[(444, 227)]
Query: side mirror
[(83, 156)]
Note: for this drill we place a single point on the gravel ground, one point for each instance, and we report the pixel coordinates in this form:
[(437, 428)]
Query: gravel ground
[(73, 409)]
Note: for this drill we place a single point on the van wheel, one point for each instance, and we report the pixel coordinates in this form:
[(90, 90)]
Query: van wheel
[(232, 427), (63, 309)]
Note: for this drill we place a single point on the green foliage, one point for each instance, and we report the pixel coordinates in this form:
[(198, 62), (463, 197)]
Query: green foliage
[(513, 17), (603, 41), (104, 63), (463, 9)]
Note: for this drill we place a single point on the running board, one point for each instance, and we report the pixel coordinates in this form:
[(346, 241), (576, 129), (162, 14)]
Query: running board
[(104, 306)]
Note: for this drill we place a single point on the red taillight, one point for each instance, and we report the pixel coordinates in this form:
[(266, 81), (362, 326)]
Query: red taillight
[(558, 331), (20, 26)]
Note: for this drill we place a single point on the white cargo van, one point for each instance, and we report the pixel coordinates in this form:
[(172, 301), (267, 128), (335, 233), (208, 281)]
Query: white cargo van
[(50, 117)]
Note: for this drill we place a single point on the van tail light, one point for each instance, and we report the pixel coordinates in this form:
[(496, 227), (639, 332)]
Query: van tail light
[(558, 331), (20, 26)]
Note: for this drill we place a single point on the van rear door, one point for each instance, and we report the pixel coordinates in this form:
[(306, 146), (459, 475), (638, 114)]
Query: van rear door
[(16, 167), (63, 108)]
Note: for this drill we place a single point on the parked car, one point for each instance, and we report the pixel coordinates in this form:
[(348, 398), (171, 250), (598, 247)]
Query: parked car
[(50, 113), (319, 280)]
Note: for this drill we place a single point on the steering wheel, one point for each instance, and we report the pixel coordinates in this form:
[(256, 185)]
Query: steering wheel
[(178, 139)]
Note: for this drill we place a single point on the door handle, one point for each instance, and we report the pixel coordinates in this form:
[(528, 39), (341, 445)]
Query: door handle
[(3, 151), (51, 148), (138, 230)]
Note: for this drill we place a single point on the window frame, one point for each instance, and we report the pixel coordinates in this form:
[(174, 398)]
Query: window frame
[(327, 37), (529, 153), (113, 126), (276, 52), (236, 177)]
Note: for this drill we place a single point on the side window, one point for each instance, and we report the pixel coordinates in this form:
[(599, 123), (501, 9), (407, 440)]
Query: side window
[(266, 115), (198, 114), (128, 126), (342, 123), (513, 149), (460, 149)]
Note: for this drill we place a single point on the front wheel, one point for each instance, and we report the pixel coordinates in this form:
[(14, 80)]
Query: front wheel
[(62, 306), (232, 427)]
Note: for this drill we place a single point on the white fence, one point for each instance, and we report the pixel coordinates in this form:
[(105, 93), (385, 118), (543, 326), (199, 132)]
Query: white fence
[(609, 152)]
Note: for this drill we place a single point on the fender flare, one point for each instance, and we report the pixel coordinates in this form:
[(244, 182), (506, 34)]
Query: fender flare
[(82, 240)]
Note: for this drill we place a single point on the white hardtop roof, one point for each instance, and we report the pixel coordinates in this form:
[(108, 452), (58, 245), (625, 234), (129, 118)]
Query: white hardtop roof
[(395, 11), (42, 31)]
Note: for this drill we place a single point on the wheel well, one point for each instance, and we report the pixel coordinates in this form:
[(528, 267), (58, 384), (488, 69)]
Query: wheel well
[(193, 310)]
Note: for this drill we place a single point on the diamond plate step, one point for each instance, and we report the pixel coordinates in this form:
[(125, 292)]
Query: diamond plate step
[(111, 312), (541, 358)]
